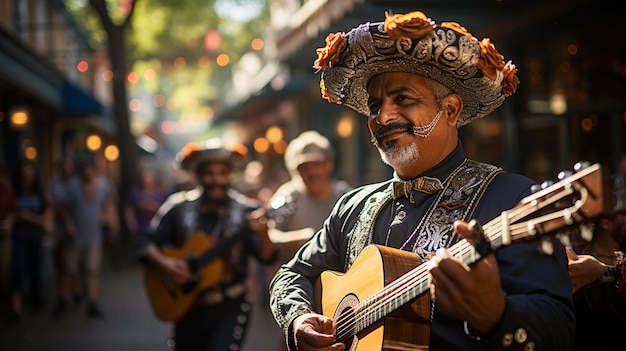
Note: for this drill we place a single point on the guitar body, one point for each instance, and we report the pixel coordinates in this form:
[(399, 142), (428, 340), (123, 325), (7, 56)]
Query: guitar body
[(170, 301), (407, 328)]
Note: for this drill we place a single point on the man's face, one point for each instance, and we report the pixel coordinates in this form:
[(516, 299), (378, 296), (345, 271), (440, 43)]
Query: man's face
[(316, 175), (398, 102), (215, 178)]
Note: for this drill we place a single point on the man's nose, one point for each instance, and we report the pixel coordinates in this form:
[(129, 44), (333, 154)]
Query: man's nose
[(386, 114)]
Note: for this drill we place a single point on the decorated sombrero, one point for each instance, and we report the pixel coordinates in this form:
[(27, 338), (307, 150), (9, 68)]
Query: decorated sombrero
[(194, 154), (413, 43)]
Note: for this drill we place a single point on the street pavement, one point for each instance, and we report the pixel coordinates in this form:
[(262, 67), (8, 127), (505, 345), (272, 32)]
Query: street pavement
[(129, 324)]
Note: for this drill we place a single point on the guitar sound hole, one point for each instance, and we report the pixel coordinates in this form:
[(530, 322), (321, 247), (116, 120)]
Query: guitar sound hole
[(345, 320)]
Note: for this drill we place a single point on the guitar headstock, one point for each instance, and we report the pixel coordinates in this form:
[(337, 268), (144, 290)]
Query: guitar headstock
[(572, 202), (279, 208)]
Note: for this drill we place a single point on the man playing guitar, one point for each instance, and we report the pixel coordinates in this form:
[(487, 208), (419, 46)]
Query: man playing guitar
[(197, 254)]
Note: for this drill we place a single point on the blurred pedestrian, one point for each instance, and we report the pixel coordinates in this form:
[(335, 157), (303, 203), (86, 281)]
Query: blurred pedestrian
[(89, 202), (307, 198), (7, 208), (309, 194), (65, 171), (143, 201), (29, 227), (215, 224)]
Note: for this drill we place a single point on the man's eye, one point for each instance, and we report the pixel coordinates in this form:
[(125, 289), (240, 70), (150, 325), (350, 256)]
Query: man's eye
[(402, 98)]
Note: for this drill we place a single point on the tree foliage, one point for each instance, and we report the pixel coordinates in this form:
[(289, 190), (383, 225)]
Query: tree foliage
[(164, 31)]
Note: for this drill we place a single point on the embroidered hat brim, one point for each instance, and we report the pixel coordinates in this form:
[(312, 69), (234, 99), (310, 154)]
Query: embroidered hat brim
[(444, 55)]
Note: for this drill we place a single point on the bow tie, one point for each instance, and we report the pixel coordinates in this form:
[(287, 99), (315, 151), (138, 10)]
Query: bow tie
[(426, 185)]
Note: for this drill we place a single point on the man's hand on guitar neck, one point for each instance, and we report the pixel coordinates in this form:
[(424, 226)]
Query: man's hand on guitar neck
[(315, 332), (584, 269), (471, 293)]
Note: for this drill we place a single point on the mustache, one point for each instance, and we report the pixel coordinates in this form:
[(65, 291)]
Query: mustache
[(408, 127)]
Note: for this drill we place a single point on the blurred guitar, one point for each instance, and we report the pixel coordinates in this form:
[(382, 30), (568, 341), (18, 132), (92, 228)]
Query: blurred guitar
[(171, 301), (381, 301)]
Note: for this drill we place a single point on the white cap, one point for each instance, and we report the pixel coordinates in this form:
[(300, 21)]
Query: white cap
[(309, 146)]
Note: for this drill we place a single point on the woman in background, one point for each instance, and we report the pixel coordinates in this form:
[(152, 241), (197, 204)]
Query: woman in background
[(28, 228)]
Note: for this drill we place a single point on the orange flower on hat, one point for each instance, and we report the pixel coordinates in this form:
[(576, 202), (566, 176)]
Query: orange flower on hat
[(457, 28), (490, 60), (329, 54), (325, 94), (189, 148), (413, 25), (510, 79)]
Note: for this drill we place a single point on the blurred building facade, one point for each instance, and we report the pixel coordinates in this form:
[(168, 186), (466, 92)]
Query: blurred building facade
[(570, 105), (54, 95)]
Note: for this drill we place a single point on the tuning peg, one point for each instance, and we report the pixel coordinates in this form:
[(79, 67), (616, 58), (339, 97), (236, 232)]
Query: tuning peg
[(564, 174), (586, 231), (564, 238), (546, 184), (535, 188), (579, 166)]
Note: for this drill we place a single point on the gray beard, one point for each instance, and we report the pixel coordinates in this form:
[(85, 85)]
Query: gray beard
[(400, 157)]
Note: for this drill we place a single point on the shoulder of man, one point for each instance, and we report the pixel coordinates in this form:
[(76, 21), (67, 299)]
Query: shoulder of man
[(179, 197), (506, 190), (243, 199)]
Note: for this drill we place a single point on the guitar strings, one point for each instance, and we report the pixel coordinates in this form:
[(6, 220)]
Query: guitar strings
[(367, 309)]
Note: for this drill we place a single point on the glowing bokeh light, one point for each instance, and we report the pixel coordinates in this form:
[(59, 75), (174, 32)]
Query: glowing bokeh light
[(274, 134), (82, 66), (93, 142), (280, 147), (222, 60), (212, 40), (30, 153), (111, 152), (257, 44), (345, 126), (261, 145), (133, 77), (167, 127), (134, 105), (149, 74)]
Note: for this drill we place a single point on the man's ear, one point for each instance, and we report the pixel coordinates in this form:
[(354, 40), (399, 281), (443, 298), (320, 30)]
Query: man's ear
[(452, 106)]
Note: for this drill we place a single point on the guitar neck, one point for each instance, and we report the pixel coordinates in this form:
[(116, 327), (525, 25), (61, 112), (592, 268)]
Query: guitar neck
[(218, 249)]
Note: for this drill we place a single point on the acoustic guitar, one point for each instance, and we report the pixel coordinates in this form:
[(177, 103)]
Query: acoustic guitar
[(171, 301), (381, 302)]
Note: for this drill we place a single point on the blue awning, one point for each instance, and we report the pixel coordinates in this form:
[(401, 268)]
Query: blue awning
[(78, 102)]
